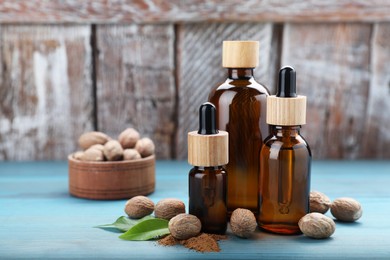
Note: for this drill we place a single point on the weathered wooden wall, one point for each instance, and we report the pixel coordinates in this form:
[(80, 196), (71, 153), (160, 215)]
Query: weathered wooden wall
[(46, 97), (177, 11), (135, 81), (72, 66), (333, 65), (376, 142)]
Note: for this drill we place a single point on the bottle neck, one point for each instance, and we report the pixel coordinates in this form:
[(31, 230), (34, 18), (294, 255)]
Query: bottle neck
[(286, 131), (241, 73)]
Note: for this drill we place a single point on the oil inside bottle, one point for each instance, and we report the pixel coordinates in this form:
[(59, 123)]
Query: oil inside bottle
[(207, 191), (285, 175)]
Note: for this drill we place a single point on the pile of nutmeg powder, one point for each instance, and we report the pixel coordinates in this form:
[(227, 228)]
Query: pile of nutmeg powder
[(201, 243)]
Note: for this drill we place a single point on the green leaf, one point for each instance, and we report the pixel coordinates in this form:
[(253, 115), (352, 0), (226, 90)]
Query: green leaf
[(123, 223), (147, 229)]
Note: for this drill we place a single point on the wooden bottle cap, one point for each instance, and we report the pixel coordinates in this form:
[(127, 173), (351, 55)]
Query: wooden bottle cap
[(208, 150), (240, 54), (286, 111)]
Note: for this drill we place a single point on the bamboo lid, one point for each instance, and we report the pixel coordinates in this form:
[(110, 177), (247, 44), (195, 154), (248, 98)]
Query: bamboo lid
[(208, 146), (208, 150), (240, 54), (286, 108), (286, 111)]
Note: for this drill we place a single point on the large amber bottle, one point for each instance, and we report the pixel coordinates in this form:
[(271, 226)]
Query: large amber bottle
[(285, 161), (241, 111)]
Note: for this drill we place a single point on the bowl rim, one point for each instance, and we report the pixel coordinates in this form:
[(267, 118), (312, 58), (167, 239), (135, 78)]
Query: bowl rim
[(122, 162)]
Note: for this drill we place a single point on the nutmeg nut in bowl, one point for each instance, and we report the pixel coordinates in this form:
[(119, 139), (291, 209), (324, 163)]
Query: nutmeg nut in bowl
[(109, 175)]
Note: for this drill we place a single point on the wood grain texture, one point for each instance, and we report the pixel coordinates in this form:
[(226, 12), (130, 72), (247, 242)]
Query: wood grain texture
[(199, 59), (111, 180), (155, 11), (135, 82), (45, 94), (377, 136), (240, 54), (333, 71), (208, 150), (283, 111)]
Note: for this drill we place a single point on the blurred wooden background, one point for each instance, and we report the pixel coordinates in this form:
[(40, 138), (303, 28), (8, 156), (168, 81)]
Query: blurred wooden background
[(73, 66)]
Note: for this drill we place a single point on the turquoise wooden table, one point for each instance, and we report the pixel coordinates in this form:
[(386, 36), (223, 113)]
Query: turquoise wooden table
[(38, 218)]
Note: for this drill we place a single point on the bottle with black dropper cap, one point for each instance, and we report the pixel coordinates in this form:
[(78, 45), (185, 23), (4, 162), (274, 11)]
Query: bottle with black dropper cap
[(284, 185), (208, 153)]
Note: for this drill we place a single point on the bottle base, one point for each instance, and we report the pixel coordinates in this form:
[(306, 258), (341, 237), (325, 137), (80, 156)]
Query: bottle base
[(282, 229), (220, 231)]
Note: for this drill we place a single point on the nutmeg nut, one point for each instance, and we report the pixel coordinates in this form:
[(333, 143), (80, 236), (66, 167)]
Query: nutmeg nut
[(145, 147), (92, 154), (243, 222), (131, 154), (169, 208), (88, 139), (319, 202), (346, 209), (184, 226), (113, 151), (128, 138), (317, 225), (78, 155), (139, 207), (98, 147)]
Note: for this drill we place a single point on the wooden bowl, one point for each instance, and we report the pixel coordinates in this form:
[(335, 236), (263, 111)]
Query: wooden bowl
[(111, 180)]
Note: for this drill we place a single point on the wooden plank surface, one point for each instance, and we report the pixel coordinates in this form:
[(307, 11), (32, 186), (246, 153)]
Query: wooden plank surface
[(333, 71), (155, 11), (46, 91), (135, 82), (199, 60), (376, 135), (39, 220)]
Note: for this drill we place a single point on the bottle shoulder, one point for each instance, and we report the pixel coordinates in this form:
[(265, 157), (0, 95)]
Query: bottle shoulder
[(235, 84), (237, 89), (297, 142)]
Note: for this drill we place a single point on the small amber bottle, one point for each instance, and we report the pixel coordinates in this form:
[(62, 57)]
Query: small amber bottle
[(241, 111), (285, 160), (208, 152)]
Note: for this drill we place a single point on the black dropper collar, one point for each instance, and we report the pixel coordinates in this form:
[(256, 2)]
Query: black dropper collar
[(287, 87), (207, 119)]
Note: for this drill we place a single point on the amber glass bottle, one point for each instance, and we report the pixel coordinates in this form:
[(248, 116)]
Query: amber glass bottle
[(241, 111), (207, 192), (285, 161), (208, 152)]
